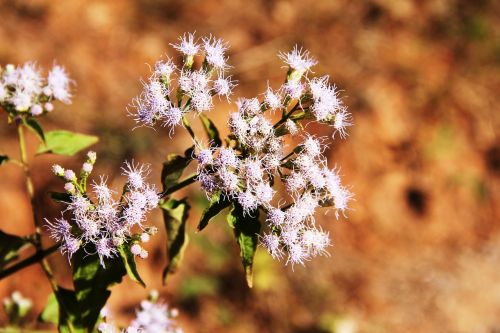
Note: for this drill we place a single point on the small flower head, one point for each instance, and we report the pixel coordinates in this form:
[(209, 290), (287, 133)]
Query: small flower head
[(58, 82), (214, 52), (298, 59), (187, 45), (135, 174)]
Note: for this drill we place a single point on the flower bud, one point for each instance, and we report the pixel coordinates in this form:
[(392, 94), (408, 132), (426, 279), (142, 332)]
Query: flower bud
[(69, 175), (92, 156), (136, 249), (47, 91), (58, 170), (36, 110), (87, 167), (144, 237), (69, 187), (49, 107), (144, 254)]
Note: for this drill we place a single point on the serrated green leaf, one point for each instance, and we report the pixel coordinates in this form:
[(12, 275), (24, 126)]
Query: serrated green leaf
[(175, 214), (211, 130), (216, 205), (50, 313), (33, 125), (172, 170), (4, 159), (60, 197), (246, 229), (130, 265), (10, 247), (65, 142)]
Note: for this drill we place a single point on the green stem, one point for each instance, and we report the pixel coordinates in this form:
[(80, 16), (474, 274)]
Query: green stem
[(286, 116), (185, 182), (31, 193), (38, 256), (188, 127)]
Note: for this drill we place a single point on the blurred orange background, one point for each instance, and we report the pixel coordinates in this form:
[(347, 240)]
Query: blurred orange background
[(420, 249)]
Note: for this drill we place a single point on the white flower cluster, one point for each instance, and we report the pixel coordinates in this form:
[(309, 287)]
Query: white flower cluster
[(167, 101), (246, 170), (152, 317), (105, 222), (23, 89)]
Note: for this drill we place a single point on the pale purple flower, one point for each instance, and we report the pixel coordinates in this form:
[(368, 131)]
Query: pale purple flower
[(58, 82), (135, 174), (187, 45), (36, 110), (272, 99), (214, 52), (298, 59), (272, 243)]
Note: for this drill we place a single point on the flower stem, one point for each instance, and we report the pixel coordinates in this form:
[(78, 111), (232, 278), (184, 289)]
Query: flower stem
[(31, 193), (185, 182), (36, 257)]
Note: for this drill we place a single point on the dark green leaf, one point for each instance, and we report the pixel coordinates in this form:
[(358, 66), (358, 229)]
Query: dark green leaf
[(216, 205), (33, 125), (175, 214), (65, 142), (246, 229), (60, 197), (129, 261), (4, 159), (50, 313), (92, 281), (172, 170), (70, 319), (10, 246), (211, 130)]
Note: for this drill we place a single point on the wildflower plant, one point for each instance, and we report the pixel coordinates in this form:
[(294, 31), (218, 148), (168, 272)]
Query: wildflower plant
[(270, 173), (248, 170)]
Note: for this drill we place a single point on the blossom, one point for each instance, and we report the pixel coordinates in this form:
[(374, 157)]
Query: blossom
[(187, 45), (298, 59), (58, 82), (214, 52)]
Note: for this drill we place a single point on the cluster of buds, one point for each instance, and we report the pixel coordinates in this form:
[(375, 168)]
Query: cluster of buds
[(16, 307), (101, 220), (153, 317), (167, 100), (23, 89)]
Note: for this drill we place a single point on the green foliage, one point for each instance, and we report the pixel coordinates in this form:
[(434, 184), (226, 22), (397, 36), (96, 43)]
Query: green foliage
[(66, 143), (50, 313), (60, 197), (246, 229), (4, 159), (80, 308), (10, 247), (195, 286), (211, 130), (175, 214), (129, 262), (34, 126), (217, 204), (173, 168)]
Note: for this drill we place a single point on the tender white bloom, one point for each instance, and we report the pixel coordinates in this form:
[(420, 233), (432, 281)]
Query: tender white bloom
[(172, 116), (214, 52), (135, 174), (272, 243), (248, 202), (298, 59), (164, 68), (275, 217), (223, 86), (69, 175), (342, 121), (272, 99), (59, 83), (187, 45), (292, 128)]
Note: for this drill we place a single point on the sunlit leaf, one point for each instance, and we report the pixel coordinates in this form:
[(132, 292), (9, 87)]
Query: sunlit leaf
[(211, 130), (66, 143), (10, 247), (217, 204), (246, 229), (130, 265), (175, 214)]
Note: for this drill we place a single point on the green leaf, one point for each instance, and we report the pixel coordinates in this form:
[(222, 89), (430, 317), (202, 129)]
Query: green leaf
[(175, 214), (4, 159), (246, 229), (60, 197), (10, 246), (91, 282), (129, 261), (50, 313), (65, 142), (33, 125), (211, 130), (70, 319), (172, 170), (217, 204)]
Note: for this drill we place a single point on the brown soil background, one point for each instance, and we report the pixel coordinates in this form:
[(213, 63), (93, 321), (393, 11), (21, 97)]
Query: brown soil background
[(420, 249)]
